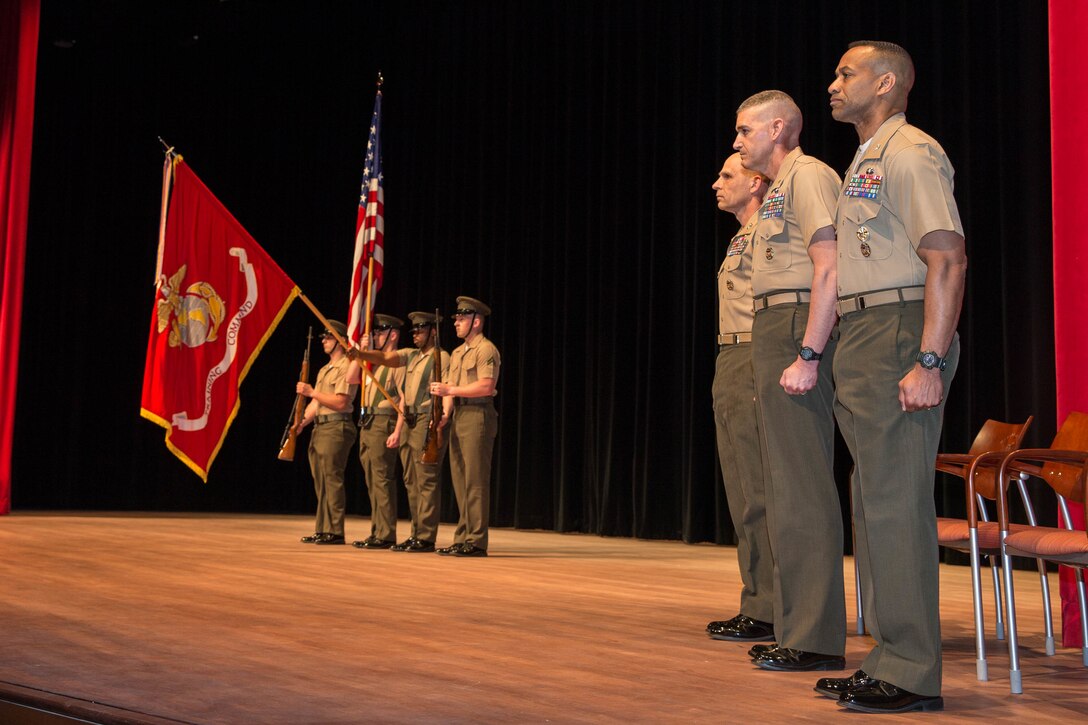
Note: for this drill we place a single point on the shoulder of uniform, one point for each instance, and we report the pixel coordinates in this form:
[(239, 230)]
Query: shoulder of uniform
[(810, 169), (907, 136), (810, 165)]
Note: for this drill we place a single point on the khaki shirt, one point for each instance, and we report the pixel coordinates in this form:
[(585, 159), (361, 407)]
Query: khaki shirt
[(478, 362), (735, 283), (801, 201), (392, 379), (899, 190), (415, 364), (333, 378)]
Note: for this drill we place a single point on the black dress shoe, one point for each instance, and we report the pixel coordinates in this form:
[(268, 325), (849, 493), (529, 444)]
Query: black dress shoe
[(882, 697), (783, 659), (744, 629), (759, 650), (836, 687), (311, 538), (402, 546), (329, 539), (470, 550), (722, 625), (449, 550), (418, 546), (374, 542)]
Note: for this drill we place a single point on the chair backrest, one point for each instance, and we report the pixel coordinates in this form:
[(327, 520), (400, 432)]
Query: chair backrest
[(995, 436), (1066, 478)]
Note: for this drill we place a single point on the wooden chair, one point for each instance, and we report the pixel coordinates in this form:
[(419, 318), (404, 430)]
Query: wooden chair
[(1063, 467), (977, 535)]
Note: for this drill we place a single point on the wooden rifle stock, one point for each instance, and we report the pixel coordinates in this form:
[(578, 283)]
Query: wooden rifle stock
[(290, 433), (435, 435)]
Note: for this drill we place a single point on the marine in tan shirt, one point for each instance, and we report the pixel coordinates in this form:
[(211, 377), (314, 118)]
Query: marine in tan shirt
[(379, 435), (901, 270), (468, 395), (740, 192), (329, 410), (423, 479), (793, 286)]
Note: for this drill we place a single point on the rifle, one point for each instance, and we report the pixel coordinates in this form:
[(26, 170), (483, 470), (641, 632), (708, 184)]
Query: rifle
[(290, 433), (435, 440)]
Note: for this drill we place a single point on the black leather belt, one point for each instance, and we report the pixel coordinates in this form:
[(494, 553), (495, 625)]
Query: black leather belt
[(471, 401), (332, 417), (377, 411)]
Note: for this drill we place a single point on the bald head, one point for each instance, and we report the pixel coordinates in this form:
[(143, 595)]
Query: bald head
[(739, 190), (768, 105)]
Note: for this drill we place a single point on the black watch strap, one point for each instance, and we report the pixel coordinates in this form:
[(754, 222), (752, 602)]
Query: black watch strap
[(930, 360), (808, 354)]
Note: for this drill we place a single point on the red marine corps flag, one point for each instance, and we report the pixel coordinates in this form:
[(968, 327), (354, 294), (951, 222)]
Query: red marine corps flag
[(218, 297)]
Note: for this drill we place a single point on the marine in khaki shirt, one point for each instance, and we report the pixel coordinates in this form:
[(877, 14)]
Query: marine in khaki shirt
[(740, 192), (901, 270), (793, 286), (329, 410), (379, 435), (467, 395)]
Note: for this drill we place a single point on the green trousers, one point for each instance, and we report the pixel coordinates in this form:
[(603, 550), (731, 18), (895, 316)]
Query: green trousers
[(741, 456), (330, 444), (895, 525), (422, 480), (472, 442), (380, 470), (803, 515)]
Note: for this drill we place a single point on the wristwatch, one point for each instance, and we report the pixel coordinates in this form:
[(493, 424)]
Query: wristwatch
[(929, 360), (807, 354)]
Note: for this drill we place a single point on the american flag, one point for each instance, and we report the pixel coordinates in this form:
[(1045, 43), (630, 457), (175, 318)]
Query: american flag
[(369, 230)]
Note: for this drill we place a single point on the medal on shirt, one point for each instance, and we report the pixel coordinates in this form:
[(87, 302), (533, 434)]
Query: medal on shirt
[(863, 237), (738, 245), (772, 206), (865, 185)]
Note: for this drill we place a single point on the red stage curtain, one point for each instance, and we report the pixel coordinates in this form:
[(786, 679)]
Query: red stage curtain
[(18, 61), (1069, 159)]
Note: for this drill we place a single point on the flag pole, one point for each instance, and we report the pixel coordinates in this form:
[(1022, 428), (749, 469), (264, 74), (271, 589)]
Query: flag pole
[(347, 348), (172, 158), (364, 393)]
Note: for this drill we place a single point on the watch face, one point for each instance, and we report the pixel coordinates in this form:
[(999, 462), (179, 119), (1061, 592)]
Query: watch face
[(928, 360)]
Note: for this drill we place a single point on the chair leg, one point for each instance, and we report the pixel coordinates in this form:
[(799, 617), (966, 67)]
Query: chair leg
[(1048, 616), (976, 592), (1016, 685), (998, 608), (1083, 617), (860, 629)]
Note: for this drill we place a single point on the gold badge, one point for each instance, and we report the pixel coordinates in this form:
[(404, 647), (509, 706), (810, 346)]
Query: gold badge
[(769, 254), (865, 250), (193, 316), (729, 285), (863, 234)]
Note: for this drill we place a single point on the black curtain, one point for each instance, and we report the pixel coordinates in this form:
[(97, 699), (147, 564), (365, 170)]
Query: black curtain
[(553, 160)]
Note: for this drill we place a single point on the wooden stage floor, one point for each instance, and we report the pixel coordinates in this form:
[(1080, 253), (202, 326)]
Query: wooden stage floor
[(155, 618)]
